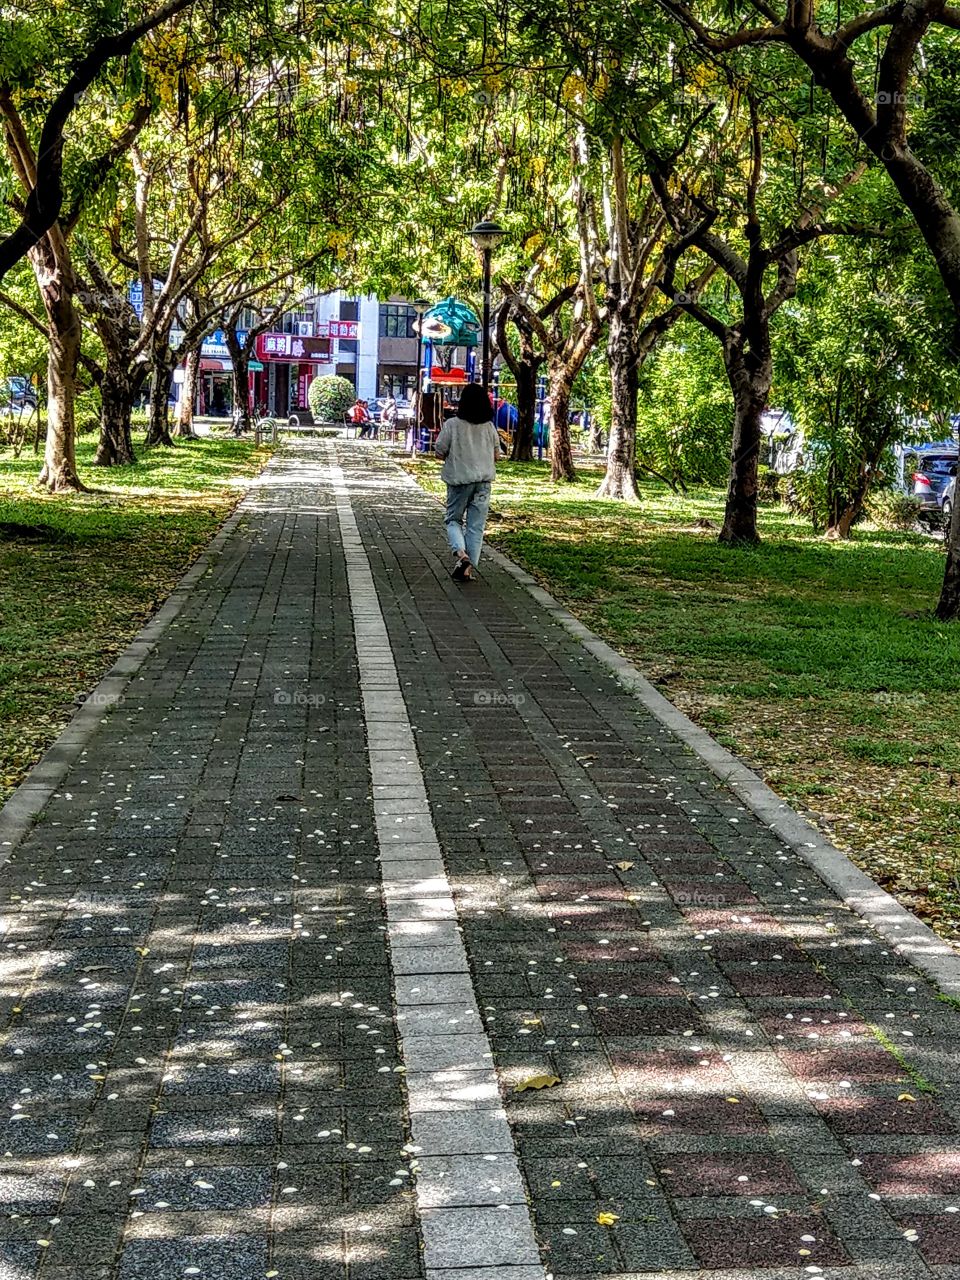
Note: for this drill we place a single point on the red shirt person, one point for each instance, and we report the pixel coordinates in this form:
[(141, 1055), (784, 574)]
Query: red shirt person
[(359, 416)]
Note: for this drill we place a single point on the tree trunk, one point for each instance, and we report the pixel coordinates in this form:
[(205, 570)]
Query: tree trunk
[(158, 429), (525, 372), (938, 221), (54, 277), (524, 365), (838, 529), (561, 450), (240, 358), (183, 424), (241, 388), (750, 379), (948, 606), (117, 393), (939, 225), (740, 514), (620, 480), (118, 329)]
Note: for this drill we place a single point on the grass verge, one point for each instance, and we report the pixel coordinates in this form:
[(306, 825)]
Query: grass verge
[(80, 573), (819, 664)]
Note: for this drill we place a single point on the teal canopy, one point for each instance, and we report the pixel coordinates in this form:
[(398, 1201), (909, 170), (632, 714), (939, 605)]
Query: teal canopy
[(450, 324)]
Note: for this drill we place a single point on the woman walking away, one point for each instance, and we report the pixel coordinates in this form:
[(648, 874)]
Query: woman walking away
[(470, 446)]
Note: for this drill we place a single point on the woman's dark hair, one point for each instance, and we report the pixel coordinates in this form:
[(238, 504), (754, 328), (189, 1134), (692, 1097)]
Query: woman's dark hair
[(474, 404)]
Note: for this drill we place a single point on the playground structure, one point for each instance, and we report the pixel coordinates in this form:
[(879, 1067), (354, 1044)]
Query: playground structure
[(449, 327)]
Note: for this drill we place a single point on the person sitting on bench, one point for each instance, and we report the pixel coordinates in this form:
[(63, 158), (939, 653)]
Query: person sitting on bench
[(360, 418)]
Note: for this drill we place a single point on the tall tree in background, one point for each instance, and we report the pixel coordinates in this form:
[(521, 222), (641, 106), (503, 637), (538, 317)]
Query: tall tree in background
[(870, 62), (724, 197), (51, 258), (864, 362)]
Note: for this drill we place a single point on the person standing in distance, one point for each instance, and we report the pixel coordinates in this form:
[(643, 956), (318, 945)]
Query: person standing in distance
[(469, 446)]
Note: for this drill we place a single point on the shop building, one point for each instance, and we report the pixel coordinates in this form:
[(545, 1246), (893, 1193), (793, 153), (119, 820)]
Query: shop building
[(369, 342)]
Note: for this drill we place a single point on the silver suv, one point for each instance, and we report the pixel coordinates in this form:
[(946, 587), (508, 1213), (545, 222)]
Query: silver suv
[(946, 500), (934, 473)]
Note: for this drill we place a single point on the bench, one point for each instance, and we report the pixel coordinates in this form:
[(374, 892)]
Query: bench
[(294, 425)]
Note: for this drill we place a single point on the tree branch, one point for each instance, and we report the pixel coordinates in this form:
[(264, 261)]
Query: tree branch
[(800, 236), (864, 22), (557, 301), (45, 199), (104, 163), (503, 346), (24, 313), (532, 317), (688, 301), (724, 43), (894, 72)]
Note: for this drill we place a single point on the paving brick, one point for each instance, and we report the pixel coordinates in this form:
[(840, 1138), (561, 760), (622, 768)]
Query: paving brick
[(480, 1236), (788, 1240), (235, 1258), (860, 1066), (457, 1181), (921, 1174), (937, 1237), (893, 1115), (728, 1175), (648, 980), (726, 1114), (657, 1071), (476, 1132), (661, 1018), (813, 1025)]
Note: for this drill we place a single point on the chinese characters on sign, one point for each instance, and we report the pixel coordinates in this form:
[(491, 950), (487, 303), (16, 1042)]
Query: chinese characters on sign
[(215, 345), (348, 329), (287, 346)]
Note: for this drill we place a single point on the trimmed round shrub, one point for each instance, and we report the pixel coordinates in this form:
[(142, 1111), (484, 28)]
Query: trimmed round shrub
[(330, 397)]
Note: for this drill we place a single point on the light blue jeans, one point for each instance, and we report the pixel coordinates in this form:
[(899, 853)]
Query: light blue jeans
[(467, 504)]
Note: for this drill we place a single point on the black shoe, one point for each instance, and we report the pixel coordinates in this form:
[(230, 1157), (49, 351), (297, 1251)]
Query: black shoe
[(460, 568)]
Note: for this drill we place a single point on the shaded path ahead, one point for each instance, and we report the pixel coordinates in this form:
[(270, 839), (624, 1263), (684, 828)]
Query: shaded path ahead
[(362, 850)]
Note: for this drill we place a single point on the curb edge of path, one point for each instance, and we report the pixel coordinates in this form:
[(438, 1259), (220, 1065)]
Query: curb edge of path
[(30, 798), (907, 934)]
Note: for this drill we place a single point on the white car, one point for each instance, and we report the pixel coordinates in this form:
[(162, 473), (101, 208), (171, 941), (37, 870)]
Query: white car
[(946, 500)]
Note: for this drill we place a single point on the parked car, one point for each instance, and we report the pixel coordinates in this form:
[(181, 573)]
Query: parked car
[(946, 500), (934, 472), (17, 395)]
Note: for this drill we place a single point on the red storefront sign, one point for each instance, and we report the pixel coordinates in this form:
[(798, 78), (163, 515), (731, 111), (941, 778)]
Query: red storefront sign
[(347, 329), (288, 346)]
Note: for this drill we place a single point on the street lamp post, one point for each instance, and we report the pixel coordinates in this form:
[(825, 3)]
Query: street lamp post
[(486, 236), (421, 306)]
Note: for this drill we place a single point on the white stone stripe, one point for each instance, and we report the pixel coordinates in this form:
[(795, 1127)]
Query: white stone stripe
[(470, 1192)]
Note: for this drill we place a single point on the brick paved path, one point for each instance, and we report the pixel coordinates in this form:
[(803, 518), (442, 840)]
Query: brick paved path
[(332, 881)]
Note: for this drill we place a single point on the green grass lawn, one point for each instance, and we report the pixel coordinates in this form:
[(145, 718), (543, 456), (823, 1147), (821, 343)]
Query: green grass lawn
[(80, 573), (820, 664)]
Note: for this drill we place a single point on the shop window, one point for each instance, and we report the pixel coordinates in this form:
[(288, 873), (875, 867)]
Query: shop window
[(399, 385), (396, 320), (299, 323)]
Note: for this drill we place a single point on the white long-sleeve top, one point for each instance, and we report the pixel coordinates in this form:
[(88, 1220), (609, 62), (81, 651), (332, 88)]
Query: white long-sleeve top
[(469, 450)]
